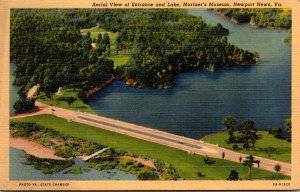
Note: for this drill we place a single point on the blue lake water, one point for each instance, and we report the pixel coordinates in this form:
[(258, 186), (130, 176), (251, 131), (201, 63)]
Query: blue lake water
[(197, 104)]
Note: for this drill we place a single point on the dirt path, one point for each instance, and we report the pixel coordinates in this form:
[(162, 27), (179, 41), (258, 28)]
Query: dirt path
[(156, 136), (32, 91), (33, 148), (142, 161)]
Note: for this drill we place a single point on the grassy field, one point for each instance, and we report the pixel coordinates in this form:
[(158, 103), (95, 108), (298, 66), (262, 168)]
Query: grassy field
[(186, 165), (78, 104), (119, 59), (96, 30), (266, 146)]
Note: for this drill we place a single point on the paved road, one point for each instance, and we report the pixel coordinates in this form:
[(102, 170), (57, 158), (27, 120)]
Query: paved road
[(127, 128), (156, 136)]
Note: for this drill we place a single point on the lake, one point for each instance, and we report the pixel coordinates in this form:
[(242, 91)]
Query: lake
[(200, 100)]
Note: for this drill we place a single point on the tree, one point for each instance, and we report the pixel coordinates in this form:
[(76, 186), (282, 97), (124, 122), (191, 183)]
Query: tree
[(106, 38), (93, 56), (248, 132), (22, 92), (276, 132), (99, 39), (208, 160), (223, 155), (23, 105), (86, 44), (148, 176), (246, 145), (88, 34), (288, 127), (240, 159), (70, 100), (258, 163), (229, 123), (235, 147), (118, 44), (106, 43), (200, 174), (277, 168), (233, 176), (256, 55), (249, 162)]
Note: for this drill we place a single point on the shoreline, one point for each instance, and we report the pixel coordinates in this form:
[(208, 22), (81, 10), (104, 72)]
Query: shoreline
[(37, 150), (33, 148), (98, 88), (256, 26), (132, 83), (253, 25)]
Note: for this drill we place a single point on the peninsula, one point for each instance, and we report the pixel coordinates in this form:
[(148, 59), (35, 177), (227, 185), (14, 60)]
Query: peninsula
[(142, 47), (259, 18)]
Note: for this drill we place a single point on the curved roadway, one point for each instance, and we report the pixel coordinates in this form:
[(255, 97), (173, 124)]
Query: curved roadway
[(156, 136)]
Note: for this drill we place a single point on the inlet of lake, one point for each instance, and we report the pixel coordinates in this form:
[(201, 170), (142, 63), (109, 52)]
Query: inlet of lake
[(200, 100)]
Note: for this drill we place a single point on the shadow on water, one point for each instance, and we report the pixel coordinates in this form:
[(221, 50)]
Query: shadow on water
[(229, 69)]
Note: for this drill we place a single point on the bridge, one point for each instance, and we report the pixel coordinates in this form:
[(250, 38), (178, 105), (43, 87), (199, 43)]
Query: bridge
[(95, 154)]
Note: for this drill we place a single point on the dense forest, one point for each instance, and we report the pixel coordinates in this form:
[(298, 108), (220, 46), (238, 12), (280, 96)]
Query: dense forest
[(48, 48), (276, 18)]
